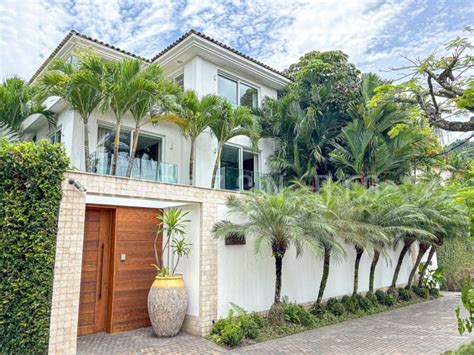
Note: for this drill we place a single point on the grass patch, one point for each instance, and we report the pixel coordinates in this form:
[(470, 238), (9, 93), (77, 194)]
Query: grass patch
[(466, 349)]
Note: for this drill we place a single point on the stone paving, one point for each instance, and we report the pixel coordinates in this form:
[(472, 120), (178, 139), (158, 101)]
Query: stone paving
[(425, 328)]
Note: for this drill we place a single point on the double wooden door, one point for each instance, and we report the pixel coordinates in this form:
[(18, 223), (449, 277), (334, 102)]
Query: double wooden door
[(95, 278)]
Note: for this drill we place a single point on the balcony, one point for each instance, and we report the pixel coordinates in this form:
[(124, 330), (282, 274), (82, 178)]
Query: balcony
[(238, 180), (142, 168)]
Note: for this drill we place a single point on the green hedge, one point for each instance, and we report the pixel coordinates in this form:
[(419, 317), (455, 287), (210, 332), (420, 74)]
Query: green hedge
[(30, 194), (457, 258)]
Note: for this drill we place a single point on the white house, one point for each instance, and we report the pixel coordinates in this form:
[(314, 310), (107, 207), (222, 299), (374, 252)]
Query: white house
[(106, 229)]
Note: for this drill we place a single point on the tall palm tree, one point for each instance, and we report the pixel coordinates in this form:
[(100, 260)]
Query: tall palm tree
[(232, 122), (273, 221), (79, 87), (18, 100), (151, 106), (196, 115), (124, 82), (419, 196)]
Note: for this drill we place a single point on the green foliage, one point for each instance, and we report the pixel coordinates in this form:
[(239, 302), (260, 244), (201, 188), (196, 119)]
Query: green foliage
[(334, 306), (423, 292), (30, 194), (356, 303), (295, 313), (434, 292), (466, 349), (237, 326), (433, 277), (457, 258), (385, 298), (467, 298), (404, 294)]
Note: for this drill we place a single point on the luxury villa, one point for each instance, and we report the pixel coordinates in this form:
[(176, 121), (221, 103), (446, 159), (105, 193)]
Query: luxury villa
[(107, 223)]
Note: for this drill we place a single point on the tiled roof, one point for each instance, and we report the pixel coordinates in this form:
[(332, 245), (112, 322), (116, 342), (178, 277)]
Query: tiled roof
[(175, 43), (75, 33), (202, 35)]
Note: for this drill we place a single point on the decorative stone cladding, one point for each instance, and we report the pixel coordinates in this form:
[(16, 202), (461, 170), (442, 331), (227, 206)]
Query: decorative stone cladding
[(67, 270)]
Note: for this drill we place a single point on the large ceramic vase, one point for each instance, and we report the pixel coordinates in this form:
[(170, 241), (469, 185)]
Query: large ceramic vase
[(167, 302)]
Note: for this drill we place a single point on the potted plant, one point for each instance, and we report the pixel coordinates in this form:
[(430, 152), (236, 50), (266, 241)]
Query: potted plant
[(168, 298)]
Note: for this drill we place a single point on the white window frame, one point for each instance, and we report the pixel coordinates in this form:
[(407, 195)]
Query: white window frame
[(176, 77), (239, 82), (53, 133), (241, 161)]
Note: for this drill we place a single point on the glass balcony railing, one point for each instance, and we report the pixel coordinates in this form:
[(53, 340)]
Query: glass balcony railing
[(145, 169), (237, 179)]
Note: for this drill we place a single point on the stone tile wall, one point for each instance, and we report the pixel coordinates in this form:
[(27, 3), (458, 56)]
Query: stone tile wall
[(67, 274)]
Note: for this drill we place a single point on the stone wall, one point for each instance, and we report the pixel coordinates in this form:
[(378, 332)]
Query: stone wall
[(67, 274)]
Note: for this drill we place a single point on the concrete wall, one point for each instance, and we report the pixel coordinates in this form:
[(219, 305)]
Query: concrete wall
[(248, 279)]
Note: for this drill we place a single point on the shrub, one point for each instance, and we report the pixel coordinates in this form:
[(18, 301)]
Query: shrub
[(380, 296), (350, 304), (232, 334), (318, 309), (363, 302), (404, 294), (297, 314), (393, 292), (422, 292), (456, 256), (371, 297), (30, 193), (233, 329), (434, 292), (389, 300), (334, 306)]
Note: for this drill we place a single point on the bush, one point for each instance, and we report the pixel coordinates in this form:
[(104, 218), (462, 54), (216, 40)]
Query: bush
[(297, 314), (364, 303), (385, 299), (422, 292), (30, 193), (434, 292), (318, 309), (335, 307), (371, 297), (404, 294), (233, 329), (457, 258), (350, 304)]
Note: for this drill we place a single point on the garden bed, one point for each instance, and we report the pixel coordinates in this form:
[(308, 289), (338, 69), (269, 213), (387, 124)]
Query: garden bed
[(241, 328)]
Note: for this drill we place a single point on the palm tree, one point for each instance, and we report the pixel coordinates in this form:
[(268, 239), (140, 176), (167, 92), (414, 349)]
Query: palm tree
[(418, 196), (18, 100), (151, 106), (196, 115), (233, 122), (124, 82), (79, 87), (273, 221)]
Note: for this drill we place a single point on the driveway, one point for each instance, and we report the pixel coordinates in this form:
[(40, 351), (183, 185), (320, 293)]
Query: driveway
[(428, 327)]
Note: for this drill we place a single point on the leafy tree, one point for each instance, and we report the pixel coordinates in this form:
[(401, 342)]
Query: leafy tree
[(196, 115), (273, 221), (441, 86), (17, 102), (232, 122), (79, 87)]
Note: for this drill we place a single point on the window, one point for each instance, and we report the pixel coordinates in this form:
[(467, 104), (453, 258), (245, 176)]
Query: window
[(239, 168), (55, 136), (179, 80), (147, 155), (237, 92)]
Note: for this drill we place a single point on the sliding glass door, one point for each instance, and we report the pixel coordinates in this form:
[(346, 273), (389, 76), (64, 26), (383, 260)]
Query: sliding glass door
[(238, 168)]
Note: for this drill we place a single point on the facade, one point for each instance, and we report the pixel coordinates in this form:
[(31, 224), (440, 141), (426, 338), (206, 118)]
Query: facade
[(107, 223)]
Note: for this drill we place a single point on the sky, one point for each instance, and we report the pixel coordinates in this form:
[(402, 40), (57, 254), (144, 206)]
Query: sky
[(375, 34)]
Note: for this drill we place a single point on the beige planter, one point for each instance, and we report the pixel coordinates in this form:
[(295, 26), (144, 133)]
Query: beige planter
[(167, 303)]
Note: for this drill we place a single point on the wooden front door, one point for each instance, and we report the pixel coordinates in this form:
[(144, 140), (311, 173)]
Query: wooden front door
[(93, 304)]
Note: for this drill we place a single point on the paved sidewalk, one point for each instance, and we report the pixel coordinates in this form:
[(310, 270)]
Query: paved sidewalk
[(425, 328)]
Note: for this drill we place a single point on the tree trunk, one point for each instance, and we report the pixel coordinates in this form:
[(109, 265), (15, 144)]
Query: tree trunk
[(423, 247), (324, 279), (216, 166), (427, 264), (359, 252), (191, 162), (375, 260), (278, 267), (131, 159), (406, 247), (87, 157), (113, 169)]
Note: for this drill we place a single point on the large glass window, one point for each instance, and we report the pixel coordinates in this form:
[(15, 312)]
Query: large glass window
[(248, 96), (179, 80), (147, 154), (237, 92), (227, 89), (239, 168), (55, 136)]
